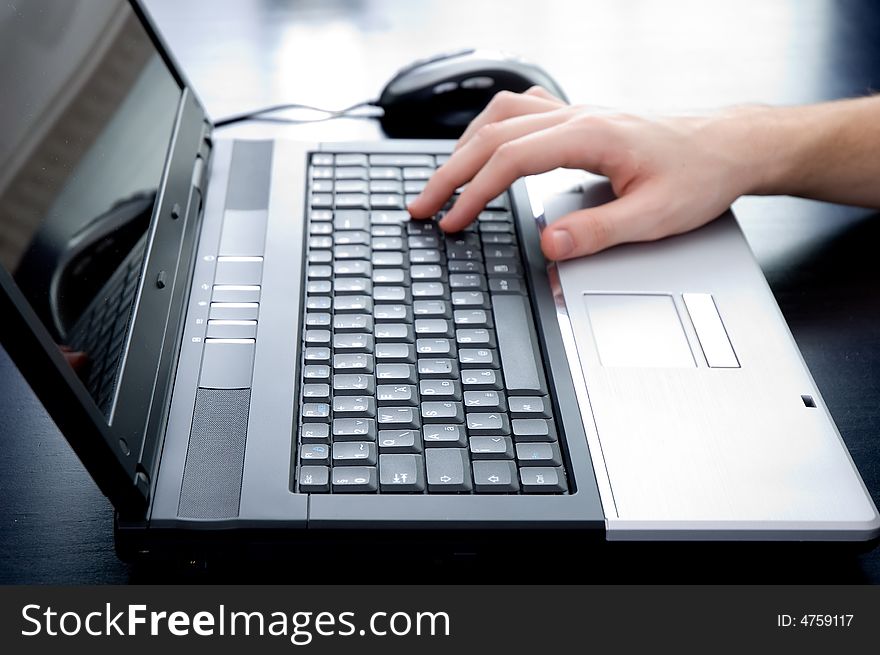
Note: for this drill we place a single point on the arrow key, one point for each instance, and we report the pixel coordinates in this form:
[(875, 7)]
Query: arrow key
[(495, 477), (448, 470)]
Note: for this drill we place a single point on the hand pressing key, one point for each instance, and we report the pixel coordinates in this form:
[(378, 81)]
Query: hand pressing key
[(670, 174)]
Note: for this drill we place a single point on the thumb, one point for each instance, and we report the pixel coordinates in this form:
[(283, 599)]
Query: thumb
[(587, 231)]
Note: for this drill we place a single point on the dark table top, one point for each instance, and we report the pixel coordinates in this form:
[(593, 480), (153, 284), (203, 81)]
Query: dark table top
[(820, 259)]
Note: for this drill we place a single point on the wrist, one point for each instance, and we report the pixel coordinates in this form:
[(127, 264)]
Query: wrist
[(761, 145)]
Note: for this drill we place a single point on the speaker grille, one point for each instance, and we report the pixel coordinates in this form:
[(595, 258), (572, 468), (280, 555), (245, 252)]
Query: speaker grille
[(215, 458)]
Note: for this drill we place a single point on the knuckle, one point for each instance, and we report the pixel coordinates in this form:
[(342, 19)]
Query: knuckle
[(488, 133)]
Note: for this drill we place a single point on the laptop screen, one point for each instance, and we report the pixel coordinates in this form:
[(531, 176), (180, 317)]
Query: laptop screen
[(87, 108)]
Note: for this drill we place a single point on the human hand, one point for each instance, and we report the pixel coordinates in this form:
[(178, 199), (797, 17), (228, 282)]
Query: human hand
[(671, 175)]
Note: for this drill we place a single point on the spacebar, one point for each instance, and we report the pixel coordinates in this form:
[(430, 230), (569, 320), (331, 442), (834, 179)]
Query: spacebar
[(517, 345)]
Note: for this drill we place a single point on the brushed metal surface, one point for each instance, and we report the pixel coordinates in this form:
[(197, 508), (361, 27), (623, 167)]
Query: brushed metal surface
[(711, 452)]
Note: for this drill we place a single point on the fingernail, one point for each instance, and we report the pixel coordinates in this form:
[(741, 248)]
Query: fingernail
[(563, 244)]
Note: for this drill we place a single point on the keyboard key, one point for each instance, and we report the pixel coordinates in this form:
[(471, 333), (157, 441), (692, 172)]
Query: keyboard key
[(400, 441), (352, 285), (354, 406), (533, 429), (467, 281), (400, 473), (448, 470), (317, 319), (487, 400), (314, 479), (505, 285), (353, 383), (387, 258), (357, 267), (436, 347), (351, 220), (396, 373), (316, 411), (438, 368), (396, 394), (316, 355), (385, 173), (433, 327), (426, 272), (428, 290), (316, 391), (491, 447), (352, 201), (538, 454), (387, 243), (386, 186), (354, 453), (351, 252), (353, 342), (471, 318), (446, 411), (518, 346), (395, 313), (401, 160), (404, 353), (489, 423), (389, 276), (351, 186), (352, 304), (354, 429), (440, 388), (542, 479), (314, 433), (316, 372), (391, 294), (398, 417), (529, 407), (350, 173), (386, 201), (386, 231), (475, 337), (353, 362), (477, 358), (444, 434), (351, 159), (424, 256), (315, 453), (354, 479), (353, 323), (400, 332), (495, 477), (431, 308)]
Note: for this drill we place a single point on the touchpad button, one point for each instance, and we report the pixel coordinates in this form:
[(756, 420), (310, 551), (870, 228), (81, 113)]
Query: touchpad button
[(638, 330)]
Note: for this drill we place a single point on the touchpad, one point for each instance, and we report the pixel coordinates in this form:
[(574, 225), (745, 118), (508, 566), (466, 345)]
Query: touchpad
[(638, 330)]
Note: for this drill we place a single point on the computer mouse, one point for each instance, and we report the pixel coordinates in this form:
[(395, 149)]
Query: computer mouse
[(436, 98)]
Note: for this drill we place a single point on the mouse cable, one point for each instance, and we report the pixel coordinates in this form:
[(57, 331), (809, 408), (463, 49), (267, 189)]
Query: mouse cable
[(259, 114)]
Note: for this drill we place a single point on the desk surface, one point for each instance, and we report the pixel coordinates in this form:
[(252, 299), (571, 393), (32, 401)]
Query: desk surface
[(820, 259)]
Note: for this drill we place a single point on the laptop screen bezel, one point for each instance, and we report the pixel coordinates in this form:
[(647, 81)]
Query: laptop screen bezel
[(122, 455)]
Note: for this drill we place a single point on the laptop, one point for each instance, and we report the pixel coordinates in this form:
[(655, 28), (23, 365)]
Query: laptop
[(252, 340)]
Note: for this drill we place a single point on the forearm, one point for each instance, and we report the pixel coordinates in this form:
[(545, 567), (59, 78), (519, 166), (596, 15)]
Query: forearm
[(829, 151)]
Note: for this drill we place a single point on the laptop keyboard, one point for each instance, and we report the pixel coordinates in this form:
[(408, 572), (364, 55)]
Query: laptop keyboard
[(421, 372)]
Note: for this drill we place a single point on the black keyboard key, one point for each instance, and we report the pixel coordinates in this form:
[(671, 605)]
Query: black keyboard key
[(314, 479), (398, 332), (538, 454), (488, 423), (533, 429), (354, 429), (499, 477), (314, 453), (354, 479), (401, 473), (484, 401), (397, 394), (354, 406), (475, 337), (448, 470), (478, 358), (398, 417), (354, 383), (438, 368), (353, 323), (542, 479), (314, 433), (442, 411), (358, 453), (517, 345), (400, 441), (491, 447), (506, 285), (447, 389), (450, 435), (396, 373), (529, 407)]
